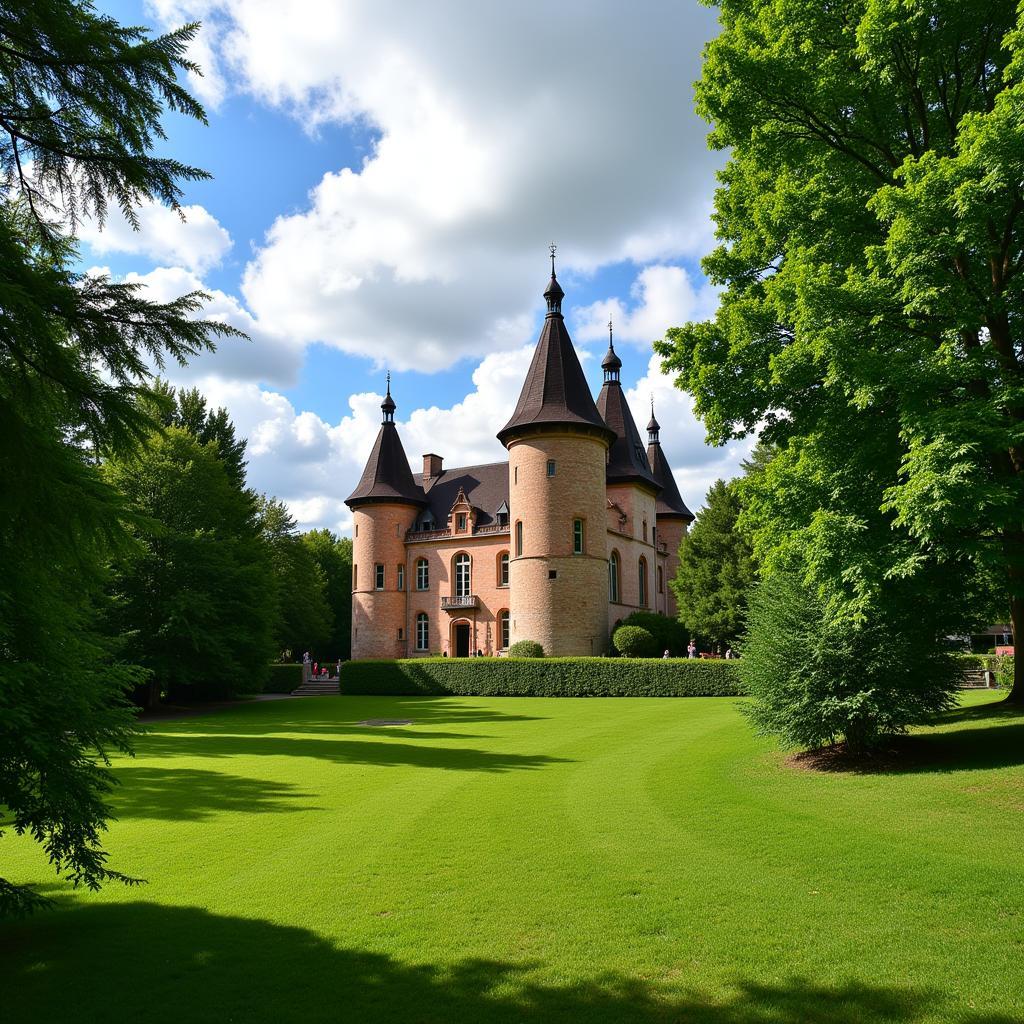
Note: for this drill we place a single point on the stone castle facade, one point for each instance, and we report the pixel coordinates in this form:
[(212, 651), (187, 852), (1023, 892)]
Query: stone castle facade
[(579, 528)]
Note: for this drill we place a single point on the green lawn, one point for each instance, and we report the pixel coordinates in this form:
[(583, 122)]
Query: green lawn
[(501, 860)]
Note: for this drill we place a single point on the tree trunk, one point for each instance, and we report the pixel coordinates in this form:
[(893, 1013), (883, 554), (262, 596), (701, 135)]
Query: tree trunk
[(1017, 623)]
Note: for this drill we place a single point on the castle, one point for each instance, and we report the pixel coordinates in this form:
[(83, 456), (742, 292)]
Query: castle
[(579, 528)]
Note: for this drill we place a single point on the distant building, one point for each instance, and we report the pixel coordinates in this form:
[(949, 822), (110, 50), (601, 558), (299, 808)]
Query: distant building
[(579, 528)]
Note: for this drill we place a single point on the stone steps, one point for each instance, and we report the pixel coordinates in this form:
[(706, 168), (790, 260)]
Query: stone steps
[(975, 679), (317, 688)]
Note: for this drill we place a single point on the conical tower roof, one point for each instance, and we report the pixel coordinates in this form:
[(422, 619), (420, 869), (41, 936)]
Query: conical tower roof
[(555, 392), (670, 503), (387, 476), (627, 460)]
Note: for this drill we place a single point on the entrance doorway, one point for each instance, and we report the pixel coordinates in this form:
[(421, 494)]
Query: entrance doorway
[(462, 640)]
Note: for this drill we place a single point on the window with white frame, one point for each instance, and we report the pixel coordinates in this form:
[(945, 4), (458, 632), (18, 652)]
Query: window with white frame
[(422, 575), (577, 536), (378, 577), (613, 577), (422, 631), (503, 629), (401, 577), (503, 569), (462, 576)]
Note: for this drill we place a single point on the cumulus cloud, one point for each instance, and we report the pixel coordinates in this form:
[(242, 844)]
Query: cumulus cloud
[(194, 239), (265, 357), (661, 297), (497, 128)]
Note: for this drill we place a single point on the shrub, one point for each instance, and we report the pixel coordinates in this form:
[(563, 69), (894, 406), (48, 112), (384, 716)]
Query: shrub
[(634, 642), (669, 634), (818, 674), (550, 677), (283, 678), (526, 649)]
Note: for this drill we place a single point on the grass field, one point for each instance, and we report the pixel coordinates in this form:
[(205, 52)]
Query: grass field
[(504, 860)]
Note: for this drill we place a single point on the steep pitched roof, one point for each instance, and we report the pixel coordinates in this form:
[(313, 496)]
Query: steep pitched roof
[(670, 503), (627, 460), (555, 392), (387, 476), (485, 487)]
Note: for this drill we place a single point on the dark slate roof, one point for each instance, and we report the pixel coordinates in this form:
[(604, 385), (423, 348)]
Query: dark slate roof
[(627, 460), (555, 392), (486, 488), (670, 503), (387, 476)]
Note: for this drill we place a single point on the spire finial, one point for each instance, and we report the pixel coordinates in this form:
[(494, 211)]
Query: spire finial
[(611, 340), (553, 293), (653, 427), (611, 364), (552, 248), (388, 405)]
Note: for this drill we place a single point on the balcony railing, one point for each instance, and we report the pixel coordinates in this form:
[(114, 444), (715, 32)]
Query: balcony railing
[(449, 604)]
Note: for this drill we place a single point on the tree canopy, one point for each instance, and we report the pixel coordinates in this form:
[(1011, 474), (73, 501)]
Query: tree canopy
[(870, 259), (81, 102)]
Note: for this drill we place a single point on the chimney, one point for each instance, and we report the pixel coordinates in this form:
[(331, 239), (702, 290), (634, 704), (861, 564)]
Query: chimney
[(431, 466)]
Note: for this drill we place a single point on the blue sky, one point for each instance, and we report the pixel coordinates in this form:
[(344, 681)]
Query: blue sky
[(386, 179)]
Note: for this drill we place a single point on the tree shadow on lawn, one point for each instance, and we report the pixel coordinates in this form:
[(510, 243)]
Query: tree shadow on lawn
[(190, 794), (343, 751), (308, 716), (164, 965), (992, 737)]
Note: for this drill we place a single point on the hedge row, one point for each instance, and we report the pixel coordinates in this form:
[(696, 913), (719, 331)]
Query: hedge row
[(283, 678), (1001, 665), (547, 677)]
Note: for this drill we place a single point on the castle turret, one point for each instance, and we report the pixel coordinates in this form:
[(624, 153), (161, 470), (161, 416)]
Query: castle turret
[(385, 504), (674, 517), (558, 447), (633, 492)]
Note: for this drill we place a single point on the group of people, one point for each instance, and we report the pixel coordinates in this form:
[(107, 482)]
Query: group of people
[(691, 652), (318, 671)]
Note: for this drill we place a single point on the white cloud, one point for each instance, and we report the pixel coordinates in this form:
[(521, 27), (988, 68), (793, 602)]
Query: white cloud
[(197, 242), (499, 127), (264, 357), (661, 297)]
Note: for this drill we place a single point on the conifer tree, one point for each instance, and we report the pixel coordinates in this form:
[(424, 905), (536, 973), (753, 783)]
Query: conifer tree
[(81, 101)]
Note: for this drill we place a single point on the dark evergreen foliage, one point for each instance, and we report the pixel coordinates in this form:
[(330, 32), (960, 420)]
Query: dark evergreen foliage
[(334, 557), (80, 105)]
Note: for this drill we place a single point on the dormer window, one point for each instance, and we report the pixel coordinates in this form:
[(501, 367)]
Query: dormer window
[(460, 522)]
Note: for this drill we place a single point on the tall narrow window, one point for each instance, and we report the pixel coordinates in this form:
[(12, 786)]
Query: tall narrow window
[(551, 467), (503, 631), (577, 536), (401, 577), (645, 531), (422, 631), (519, 538), (503, 569), (642, 573), (462, 582), (378, 577), (422, 575), (460, 522), (355, 577), (613, 577), (661, 580)]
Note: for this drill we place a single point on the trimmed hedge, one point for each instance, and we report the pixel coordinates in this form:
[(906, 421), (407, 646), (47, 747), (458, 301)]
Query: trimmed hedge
[(550, 677), (634, 642), (283, 678)]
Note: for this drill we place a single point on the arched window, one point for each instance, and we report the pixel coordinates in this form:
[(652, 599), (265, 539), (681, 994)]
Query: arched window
[(519, 538), (613, 577), (422, 631), (462, 581), (422, 574), (503, 624), (642, 572), (503, 569)]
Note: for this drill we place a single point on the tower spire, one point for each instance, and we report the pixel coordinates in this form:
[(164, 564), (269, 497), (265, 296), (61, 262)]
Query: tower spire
[(611, 364), (388, 406), (553, 293), (653, 427)]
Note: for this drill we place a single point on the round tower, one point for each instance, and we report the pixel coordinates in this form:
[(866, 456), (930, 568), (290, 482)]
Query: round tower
[(384, 504), (558, 447)]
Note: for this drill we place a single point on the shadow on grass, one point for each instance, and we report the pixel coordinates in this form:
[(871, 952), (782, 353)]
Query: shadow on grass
[(190, 794), (342, 751), (163, 965), (974, 738)]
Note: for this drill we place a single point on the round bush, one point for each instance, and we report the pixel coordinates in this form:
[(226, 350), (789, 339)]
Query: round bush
[(635, 642), (669, 634), (526, 649)]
